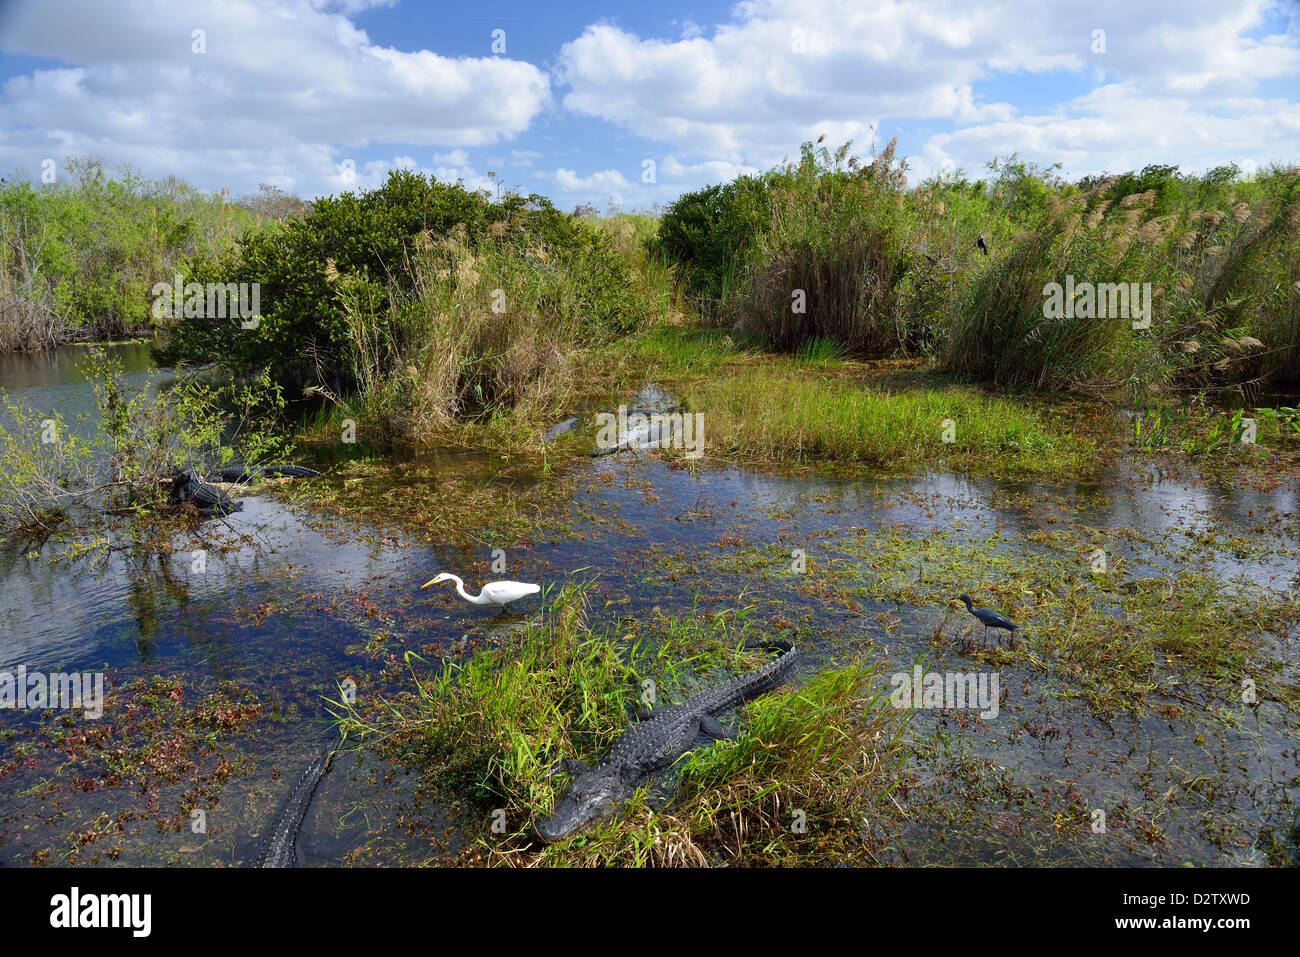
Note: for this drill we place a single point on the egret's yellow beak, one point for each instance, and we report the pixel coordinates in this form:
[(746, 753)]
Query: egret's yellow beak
[(431, 581)]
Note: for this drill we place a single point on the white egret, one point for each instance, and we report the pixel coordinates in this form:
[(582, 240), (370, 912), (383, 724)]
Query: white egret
[(493, 593)]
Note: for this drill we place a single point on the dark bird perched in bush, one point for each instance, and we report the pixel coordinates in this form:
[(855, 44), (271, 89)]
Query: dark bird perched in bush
[(984, 247)]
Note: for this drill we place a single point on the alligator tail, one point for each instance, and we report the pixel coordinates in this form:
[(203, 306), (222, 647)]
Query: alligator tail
[(279, 847)]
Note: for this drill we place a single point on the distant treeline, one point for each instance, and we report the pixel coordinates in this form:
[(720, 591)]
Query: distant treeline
[(79, 256), (429, 302)]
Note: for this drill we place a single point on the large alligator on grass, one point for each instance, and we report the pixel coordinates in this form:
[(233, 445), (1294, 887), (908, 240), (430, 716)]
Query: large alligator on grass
[(658, 741)]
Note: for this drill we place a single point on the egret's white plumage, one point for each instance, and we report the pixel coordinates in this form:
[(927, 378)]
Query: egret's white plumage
[(493, 593)]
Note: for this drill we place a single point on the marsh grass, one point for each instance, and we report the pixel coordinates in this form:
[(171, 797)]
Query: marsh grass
[(654, 278), (818, 754), (787, 415), (821, 352), (826, 264), (1194, 429), (1224, 307), (495, 724), (1110, 636), (674, 352), (833, 246), (481, 343), (482, 330)]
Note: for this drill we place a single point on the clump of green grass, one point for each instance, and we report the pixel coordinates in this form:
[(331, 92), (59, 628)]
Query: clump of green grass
[(673, 352), (809, 770), (503, 717), (834, 247), (1224, 304), (493, 726), (786, 415), (821, 352)]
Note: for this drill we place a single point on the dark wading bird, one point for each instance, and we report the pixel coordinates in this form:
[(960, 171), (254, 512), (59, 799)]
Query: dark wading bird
[(990, 619)]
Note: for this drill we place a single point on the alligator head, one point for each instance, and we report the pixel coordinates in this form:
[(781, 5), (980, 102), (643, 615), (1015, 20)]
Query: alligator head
[(591, 796)]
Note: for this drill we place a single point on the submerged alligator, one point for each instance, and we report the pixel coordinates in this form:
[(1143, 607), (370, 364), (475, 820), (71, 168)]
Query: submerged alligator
[(279, 846), (189, 486), (242, 474), (654, 432), (657, 742)]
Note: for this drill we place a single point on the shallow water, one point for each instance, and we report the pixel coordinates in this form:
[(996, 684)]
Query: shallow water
[(292, 601), (52, 381)]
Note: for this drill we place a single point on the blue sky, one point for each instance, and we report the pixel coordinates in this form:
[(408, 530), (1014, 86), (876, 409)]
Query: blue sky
[(318, 96)]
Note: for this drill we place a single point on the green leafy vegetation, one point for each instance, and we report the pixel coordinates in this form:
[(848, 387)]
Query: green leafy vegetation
[(834, 247), (80, 256), (346, 290), (141, 438)]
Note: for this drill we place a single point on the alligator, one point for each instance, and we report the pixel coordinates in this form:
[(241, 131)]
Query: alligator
[(560, 428), (188, 486), (654, 432), (660, 740), (242, 474), (279, 846)]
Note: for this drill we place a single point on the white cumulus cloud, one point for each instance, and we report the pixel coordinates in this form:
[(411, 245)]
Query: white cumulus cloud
[(276, 91)]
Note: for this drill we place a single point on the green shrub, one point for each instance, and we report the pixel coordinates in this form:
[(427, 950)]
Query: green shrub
[(482, 331), (711, 230), (372, 238), (828, 263)]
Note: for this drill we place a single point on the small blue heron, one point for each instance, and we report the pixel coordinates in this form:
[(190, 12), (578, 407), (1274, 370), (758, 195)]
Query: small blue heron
[(990, 619)]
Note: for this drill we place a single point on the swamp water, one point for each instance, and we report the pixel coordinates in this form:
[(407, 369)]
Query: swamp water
[(293, 599)]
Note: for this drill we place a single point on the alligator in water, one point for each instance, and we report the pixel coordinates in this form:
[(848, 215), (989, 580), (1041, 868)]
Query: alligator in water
[(652, 429), (243, 474), (279, 846), (189, 486), (560, 428), (658, 741)]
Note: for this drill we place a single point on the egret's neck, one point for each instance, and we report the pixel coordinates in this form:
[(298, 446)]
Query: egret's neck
[(460, 588)]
